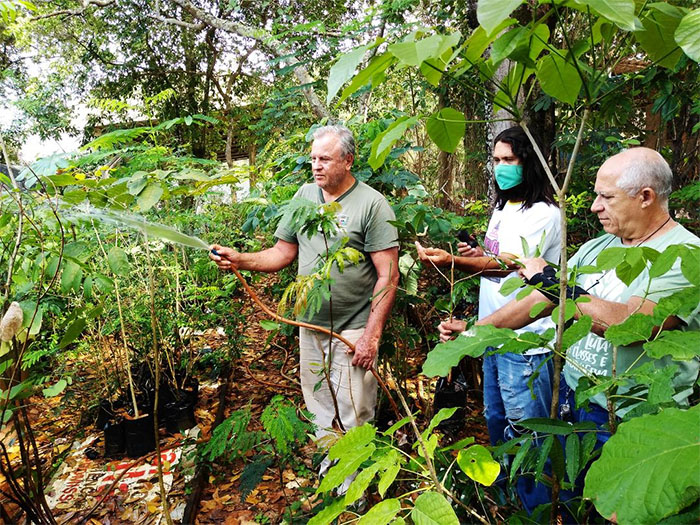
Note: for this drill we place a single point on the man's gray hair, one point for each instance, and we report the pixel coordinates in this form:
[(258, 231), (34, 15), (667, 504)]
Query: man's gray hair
[(647, 171), (347, 141)]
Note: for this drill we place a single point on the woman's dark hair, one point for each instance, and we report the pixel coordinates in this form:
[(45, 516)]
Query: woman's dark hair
[(535, 186)]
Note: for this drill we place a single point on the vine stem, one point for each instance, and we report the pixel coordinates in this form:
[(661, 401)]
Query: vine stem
[(327, 365), (302, 324), (156, 366)]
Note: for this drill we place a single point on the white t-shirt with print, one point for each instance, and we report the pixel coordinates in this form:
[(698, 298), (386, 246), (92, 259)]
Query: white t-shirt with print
[(540, 227)]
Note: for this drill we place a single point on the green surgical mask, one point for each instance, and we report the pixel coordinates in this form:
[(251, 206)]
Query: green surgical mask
[(508, 175)]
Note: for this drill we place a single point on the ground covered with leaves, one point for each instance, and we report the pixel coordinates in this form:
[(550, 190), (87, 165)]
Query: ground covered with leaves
[(238, 488)]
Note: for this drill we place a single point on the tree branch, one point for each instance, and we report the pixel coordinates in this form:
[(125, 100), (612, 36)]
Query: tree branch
[(74, 12)]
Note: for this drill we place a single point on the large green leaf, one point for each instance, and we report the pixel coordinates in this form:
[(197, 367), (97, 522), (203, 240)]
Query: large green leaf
[(343, 70), (74, 196), (62, 179), (479, 40), (573, 456), (657, 36), (620, 12), (191, 174), (610, 258), (55, 389), (432, 508), (545, 425), (382, 513), (664, 262), (118, 261), (42, 167), (137, 182), (687, 34), (72, 332), (477, 463), (433, 68), (77, 250), (103, 283), (389, 475), (149, 196), (381, 146), (71, 276), (636, 328), (446, 355), (559, 78), (360, 484), (446, 128), (678, 344), (508, 42), (415, 52), (490, 13), (649, 468), (374, 70), (329, 513), (577, 331), (682, 303), (410, 273), (28, 312), (350, 451), (690, 262)]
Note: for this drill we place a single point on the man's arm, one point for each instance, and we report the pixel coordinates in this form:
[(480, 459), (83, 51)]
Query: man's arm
[(481, 264), (604, 313), (386, 263), (273, 259)]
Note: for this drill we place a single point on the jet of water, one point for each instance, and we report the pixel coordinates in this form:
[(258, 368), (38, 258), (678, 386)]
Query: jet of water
[(151, 229)]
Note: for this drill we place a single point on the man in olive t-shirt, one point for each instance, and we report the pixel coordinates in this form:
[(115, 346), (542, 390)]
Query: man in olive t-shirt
[(361, 296)]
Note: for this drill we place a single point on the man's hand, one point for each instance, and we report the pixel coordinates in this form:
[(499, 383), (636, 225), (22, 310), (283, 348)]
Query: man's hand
[(435, 256), (366, 349), (531, 267), (451, 329), (467, 251), (226, 259)]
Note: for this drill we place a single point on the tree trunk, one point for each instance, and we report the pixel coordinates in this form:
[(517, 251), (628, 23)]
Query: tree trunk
[(496, 126), (446, 177)]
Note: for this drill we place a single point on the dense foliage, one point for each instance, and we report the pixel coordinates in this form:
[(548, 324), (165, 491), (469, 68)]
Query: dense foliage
[(193, 85)]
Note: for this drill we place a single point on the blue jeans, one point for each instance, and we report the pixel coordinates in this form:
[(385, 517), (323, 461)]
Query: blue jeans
[(534, 494), (569, 412), (507, 395), (508, 399)]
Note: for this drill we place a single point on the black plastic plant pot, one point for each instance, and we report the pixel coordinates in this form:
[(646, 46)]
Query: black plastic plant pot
[(140, 439), (115, 438), (105, 412), (190, 392), (451, 394), (179, 416)]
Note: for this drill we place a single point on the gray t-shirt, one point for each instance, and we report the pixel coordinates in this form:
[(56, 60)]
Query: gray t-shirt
[(363, 219), (594, 353)]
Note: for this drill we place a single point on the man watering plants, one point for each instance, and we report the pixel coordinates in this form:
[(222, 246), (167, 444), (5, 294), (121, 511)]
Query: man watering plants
[(361, 296), (632, 190)]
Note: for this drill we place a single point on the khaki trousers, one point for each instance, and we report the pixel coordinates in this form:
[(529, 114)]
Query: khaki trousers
[(355, 387)]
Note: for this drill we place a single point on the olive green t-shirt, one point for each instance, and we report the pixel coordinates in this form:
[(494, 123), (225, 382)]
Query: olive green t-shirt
[(594, 353), (363, 219)]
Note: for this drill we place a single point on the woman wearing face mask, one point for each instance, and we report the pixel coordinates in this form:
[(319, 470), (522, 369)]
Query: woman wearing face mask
[(524, 209)]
